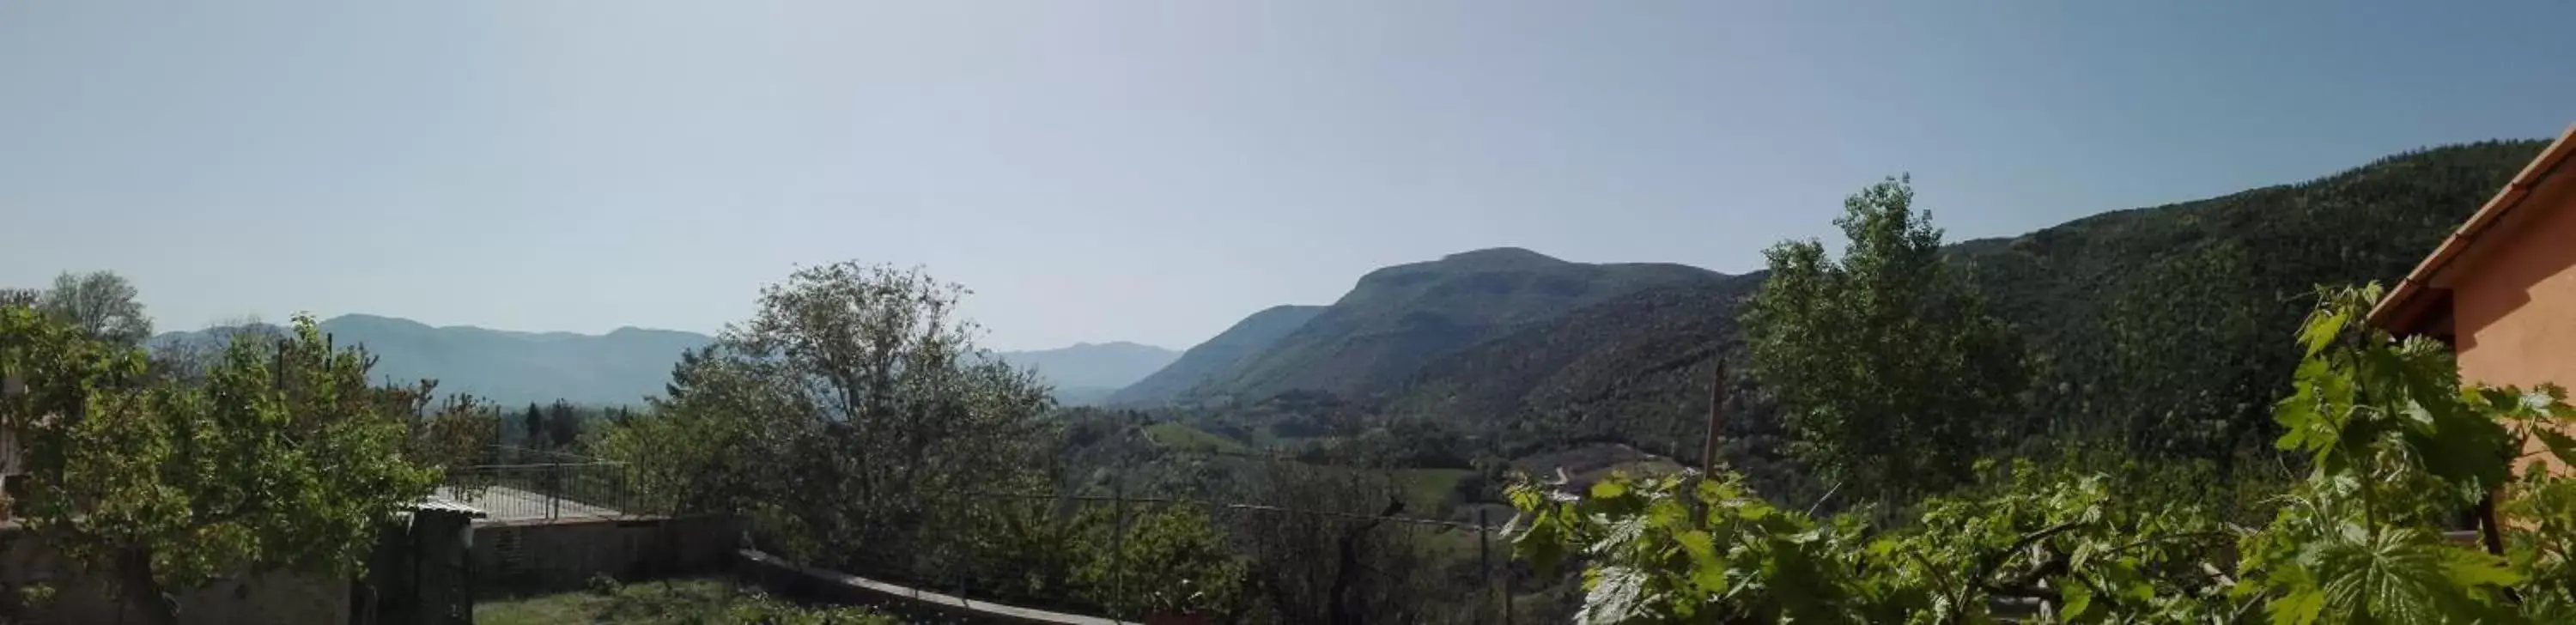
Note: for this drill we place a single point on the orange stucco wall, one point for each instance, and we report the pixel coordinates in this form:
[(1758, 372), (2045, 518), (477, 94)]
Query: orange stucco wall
[(2515, 301)]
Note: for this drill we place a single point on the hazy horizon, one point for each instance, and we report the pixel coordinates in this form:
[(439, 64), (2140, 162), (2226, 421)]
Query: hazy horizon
[(1141, 172)]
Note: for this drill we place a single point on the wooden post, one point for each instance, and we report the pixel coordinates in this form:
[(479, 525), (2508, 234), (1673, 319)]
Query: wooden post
[(1716, 418)]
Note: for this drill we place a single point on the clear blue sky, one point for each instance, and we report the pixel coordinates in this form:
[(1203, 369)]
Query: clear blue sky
[(1147, 171)]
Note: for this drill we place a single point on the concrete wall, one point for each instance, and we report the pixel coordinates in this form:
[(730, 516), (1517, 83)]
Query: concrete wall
[(529, 557), (2514, 299), (81, 596)]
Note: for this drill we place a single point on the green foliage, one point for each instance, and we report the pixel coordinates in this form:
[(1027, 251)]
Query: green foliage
[(1170, 560), (562, 425), (100, 304), (1886, 359), (20, 297), (459, 432), (1656, 548), (2150, 329), (533, 423), (1703, 549), (684, 602), (836, 414), (768, 611), (284, 458), (2397, 448), (2158, 326), (1190, 439)]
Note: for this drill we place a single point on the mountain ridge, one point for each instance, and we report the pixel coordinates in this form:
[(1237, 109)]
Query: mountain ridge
[(1087, 373), (507, 366), (627, 364), (1395, 319), (2164, 327)]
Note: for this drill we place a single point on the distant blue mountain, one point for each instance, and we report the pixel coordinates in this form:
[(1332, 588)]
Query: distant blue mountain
[(1086, 373), (628, 364), (514, 368)]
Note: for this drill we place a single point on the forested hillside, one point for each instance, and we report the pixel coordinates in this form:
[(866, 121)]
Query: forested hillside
[(1222, 353), (2162, 328), (1399, 318), (1585, 377), (2165, 327)]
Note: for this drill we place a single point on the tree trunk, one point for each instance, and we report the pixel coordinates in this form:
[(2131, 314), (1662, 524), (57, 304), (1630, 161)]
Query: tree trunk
[(139, 593), (2490, 524)]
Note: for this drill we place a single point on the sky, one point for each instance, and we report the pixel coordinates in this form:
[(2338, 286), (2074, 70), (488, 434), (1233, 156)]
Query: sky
[(1143, 170)]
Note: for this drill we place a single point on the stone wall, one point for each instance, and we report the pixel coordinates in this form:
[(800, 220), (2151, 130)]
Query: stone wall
[(81, 596)]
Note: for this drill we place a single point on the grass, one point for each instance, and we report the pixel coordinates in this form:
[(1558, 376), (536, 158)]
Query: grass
[(656, 603), (1186, 438), (1429, 489)]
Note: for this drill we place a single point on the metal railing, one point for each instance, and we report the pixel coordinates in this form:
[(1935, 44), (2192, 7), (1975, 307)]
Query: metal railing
[(537, 485)]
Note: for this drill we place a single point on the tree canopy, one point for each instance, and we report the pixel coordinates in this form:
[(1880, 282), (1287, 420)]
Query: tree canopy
[(1886, 359), (285, 457), (2397, 446), (852, 396), (99, 303)]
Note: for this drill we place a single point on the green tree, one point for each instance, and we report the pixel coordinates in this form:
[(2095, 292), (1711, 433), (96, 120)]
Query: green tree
[(563, 424), (1168, 560), (285, 458), (701, 449), (533, 424), (101, 304), (860, 397), (21, 297), (1889, 364), (459, 432), (1328, 561), (187, 359)]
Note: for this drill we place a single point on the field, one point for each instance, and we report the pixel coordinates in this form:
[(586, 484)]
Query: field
[(1185, 438)]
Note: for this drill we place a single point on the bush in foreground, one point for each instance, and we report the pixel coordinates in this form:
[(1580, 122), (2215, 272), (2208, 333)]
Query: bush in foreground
[(2397, 448)]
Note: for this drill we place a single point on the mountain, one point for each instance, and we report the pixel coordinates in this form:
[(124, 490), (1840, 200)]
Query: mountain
[(2167, 329), (1222, 353), (1396, 319), (1087, 373), (514, 368), (628, 364), (1640, 353)]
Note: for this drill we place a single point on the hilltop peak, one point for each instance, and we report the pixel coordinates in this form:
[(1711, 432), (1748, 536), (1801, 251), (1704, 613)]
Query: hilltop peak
[(376, 321), (1125, 345), (1501, 255)]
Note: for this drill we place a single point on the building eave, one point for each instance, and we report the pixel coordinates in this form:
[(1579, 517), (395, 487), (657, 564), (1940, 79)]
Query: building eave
[(2404, 307)]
